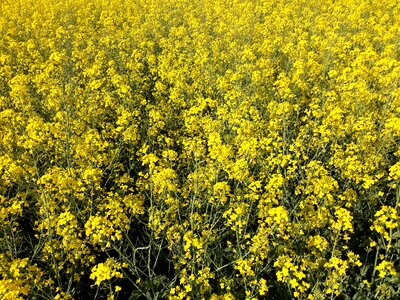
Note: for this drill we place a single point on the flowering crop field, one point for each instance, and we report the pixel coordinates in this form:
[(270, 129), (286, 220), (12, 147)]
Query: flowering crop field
[(198, 149)]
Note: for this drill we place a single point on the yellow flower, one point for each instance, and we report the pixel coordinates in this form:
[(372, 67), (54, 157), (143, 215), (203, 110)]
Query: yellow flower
[(106, 271), (386, 268)]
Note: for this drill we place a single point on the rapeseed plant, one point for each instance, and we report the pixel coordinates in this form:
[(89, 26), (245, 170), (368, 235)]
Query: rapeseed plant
[(229, 149)]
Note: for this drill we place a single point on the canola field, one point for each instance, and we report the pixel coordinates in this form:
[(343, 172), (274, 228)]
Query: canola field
[(198, 149)]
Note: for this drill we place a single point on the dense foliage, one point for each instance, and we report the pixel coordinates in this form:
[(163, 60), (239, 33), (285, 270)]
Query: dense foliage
[(198, 149)]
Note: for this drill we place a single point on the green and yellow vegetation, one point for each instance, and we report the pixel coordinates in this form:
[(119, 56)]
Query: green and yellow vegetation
[(198, 149)]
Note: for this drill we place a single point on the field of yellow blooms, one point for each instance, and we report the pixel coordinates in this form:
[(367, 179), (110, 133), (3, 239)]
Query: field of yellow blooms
[(198, 149)]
